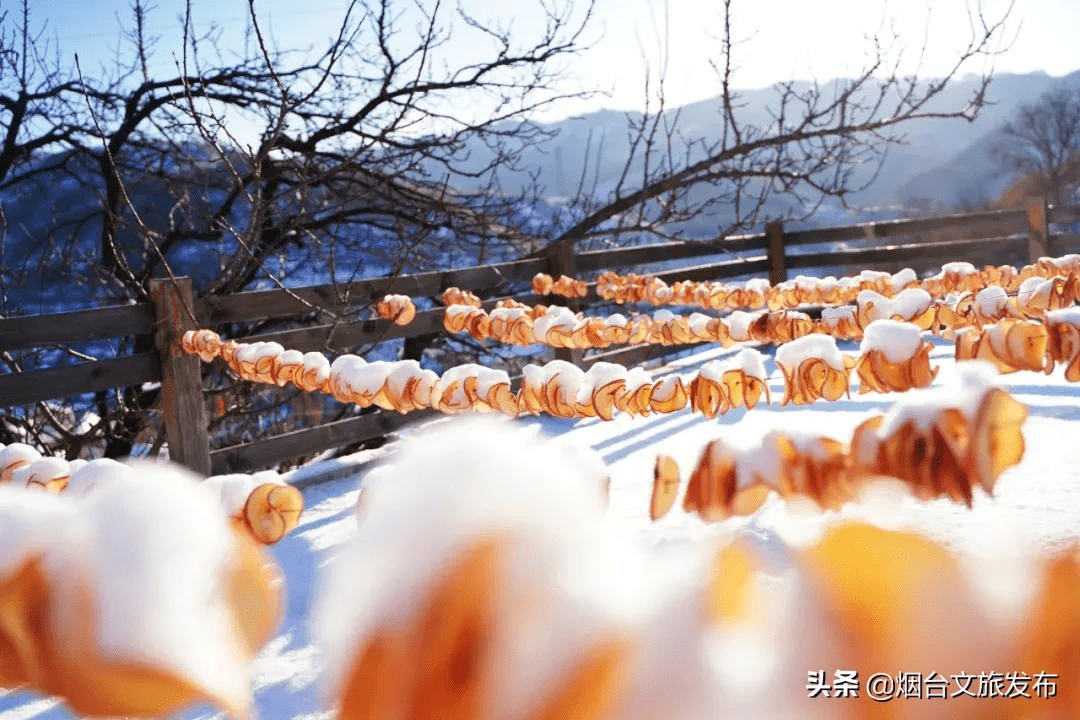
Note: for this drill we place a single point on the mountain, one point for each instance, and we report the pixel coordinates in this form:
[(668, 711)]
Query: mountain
[(975, 176), (942, 163), (49, 254)]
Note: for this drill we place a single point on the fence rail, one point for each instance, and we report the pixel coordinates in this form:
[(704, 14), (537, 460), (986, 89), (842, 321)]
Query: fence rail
[(76, 326), (922, 242), (271, 304), (994, 222)]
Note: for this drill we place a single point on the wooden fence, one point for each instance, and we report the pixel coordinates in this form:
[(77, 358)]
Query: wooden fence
[(924, 244)]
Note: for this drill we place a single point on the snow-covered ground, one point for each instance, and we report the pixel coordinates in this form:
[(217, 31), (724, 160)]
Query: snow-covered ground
[(1035, 504)]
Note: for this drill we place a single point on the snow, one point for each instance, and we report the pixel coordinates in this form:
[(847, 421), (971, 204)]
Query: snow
[(1032, 288), (907, 304), (455, 378), (570, 378), (13, 457), (1067, 263), (487, 378), (400, 375), (616, 320), (1035, 508), (903, 279), (699, 323), (558, 317), (150, 611), (506, 315), (874, 276), (369, 378), (991, 300), (88, 476), (601, 374), (495, 481), (910, 302), (289, 358), (40, 471), (456, 310), (756, 460), (760, 285), (965, 392), (316, 364), (806, 282), (899, 341), (343, 367), (1067, 316), (232, 491), (749, 360), (957, 268), (28, 525), (135, 571), (793, 354), (636, 377), (833, 315), (738, 323), (665, 388)]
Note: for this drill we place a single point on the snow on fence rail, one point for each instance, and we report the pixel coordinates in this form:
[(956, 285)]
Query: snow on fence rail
[(971, 236)]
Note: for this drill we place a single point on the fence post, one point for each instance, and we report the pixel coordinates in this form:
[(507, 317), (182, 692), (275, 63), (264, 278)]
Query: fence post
[(1038, 231), (774, 231), (182, 404), (562, 261)]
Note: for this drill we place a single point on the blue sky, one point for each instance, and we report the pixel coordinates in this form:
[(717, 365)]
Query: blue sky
[(784, 39)]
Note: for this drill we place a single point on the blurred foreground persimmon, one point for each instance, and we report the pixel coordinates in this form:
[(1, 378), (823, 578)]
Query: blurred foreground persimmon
[(483, 583), (133, 597), (945, 441)]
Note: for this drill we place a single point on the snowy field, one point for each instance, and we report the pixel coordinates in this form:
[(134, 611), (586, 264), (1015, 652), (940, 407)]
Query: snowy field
[(1035, 505)]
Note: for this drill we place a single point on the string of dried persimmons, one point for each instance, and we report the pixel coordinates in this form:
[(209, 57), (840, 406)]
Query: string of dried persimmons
[(941, 442), (1049, 284), (871, 597), (894, 357), (954, 277), (515, 323)]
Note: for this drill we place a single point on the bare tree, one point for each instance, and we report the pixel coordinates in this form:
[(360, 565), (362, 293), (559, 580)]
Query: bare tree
[(388, 150), (1043, 142), (37, 98), (271, 165), (819, 141)]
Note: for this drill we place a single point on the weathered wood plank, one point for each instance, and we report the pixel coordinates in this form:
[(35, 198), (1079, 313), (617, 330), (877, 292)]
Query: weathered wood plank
[(637, 354), (614, 259), (338, 337), (27, 387), (342, 336), (774, 231), (717, 271), (182, 404), (996, 222), (953, 250), (562, 261), (1064, 243), (76, 326), (1038, 241), (1064, 213), (267, 304), (268, 452)]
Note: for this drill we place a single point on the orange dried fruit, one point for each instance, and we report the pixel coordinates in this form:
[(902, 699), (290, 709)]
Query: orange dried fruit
[(272, 511), (666, 481)]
